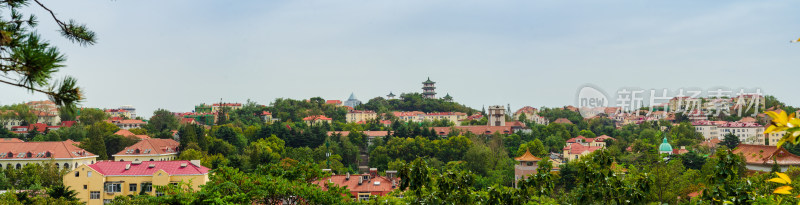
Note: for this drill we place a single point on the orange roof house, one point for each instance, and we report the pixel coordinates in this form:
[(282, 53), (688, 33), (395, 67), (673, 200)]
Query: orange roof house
[(317, 119), (762, 157), (64, 154), (563, 121), (364, 185), (149, 150), (127, 133)]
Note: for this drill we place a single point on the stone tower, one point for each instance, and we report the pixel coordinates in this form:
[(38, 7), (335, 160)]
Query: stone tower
[(497, 115)]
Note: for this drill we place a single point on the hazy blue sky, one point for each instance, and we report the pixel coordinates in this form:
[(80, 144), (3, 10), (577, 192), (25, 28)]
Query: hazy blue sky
[(175, 54)]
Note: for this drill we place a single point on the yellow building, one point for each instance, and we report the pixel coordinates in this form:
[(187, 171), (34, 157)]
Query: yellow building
[(101, 182), (360, 115), (317, 119), (17, 154), (149, 150)]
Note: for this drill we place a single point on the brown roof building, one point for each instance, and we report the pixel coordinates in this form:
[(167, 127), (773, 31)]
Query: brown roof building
[(364, 185), (762, 157), (149, 150), (63, 154)]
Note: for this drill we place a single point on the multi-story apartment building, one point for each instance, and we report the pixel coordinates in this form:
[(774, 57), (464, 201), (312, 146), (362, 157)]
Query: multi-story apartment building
[(707, 128), (127, 124), (149, 150), (748, 133), (354, 116), (99, 183), (16, 154)]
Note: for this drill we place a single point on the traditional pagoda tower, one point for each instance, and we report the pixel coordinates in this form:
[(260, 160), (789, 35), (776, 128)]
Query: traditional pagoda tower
[(447, 98), (527, 166), (390, 95), (428, 89)]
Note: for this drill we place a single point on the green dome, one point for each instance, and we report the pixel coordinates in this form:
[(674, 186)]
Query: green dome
[(665, 147)]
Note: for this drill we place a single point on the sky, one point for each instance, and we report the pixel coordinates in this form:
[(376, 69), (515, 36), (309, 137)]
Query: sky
[(177, 54)]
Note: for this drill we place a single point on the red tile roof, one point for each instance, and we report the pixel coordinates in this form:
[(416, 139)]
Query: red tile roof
[(10, 140), (316, 117), (762, 154), (127, 133), (562, 120), (113, 168), (58, 150), (151, 147), (68, 123), (383, 186), (740, 124), (577, 148), (713, 142), (527, 110), (515, 124), (337, 102)]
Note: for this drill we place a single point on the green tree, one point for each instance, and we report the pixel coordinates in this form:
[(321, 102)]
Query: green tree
[(730, 140), (30, 62), (536, 147), (95, 141), (162, 120), (89, 116)]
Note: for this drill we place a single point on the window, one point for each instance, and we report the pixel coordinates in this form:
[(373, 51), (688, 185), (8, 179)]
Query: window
[(363, 196), (112, 187), (132, 187), (147, 187), (94, 195), (89, 174), (84, 187), (77, 174)]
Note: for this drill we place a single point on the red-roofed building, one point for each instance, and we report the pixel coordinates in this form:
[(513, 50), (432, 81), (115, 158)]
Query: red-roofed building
[(363, 186), (562, 121), (580, 145), (150, 150), (127, 133), (334, 102), (10, 140), (317, 119), (760, 157), (100, 182), (16, 154), (748, 133)]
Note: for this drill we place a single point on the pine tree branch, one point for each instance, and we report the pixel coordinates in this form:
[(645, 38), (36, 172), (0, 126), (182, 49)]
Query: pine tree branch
[(29, 88), (60, 23)]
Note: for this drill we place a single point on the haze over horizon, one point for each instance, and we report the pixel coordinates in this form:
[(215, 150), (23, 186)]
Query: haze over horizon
[(176, 54)]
